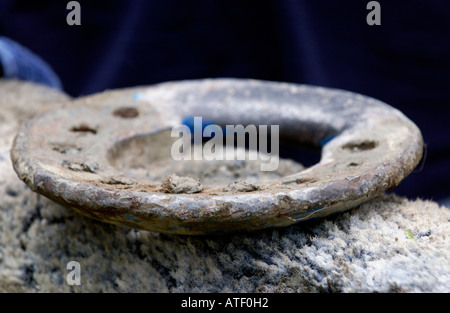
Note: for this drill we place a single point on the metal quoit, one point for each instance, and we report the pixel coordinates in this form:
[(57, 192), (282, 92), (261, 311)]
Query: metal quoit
[(80, 155)]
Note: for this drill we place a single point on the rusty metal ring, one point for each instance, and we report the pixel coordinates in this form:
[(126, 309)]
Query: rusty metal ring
[(70, 155)]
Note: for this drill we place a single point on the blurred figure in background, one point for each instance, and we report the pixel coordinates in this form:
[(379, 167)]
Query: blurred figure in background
[(404, 62)]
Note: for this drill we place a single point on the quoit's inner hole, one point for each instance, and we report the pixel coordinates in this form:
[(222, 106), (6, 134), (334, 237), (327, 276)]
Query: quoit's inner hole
[(150, 158)]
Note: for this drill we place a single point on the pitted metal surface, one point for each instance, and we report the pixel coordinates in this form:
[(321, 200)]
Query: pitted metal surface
[(99, 155)]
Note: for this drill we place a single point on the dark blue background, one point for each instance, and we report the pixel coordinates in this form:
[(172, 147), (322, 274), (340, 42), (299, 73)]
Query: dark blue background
[(404, 62)]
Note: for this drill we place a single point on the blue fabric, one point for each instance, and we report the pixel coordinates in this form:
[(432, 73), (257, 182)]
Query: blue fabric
[(17, 61), (404, 62)]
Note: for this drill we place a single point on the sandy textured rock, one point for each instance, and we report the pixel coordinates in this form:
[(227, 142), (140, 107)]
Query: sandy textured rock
[(387, 244)]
